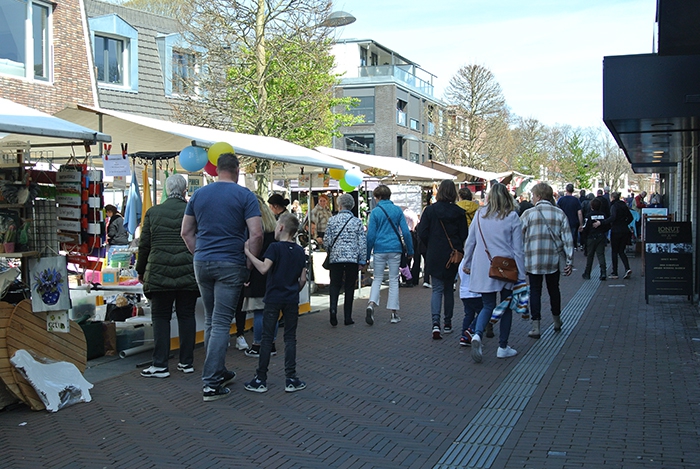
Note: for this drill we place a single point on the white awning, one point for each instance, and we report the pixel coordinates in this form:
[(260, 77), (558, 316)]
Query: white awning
[(401, 170), (146, 134), (465, 173), (17, 120)]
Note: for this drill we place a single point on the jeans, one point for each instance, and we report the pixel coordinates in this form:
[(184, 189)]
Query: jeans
[(489, 301), (258, 327), (536, 294), (596, 247), (618, 242), (472, 307), (220, 284), (290, 314), (161, 312), (348, 270), (382, 259), (442, 289)]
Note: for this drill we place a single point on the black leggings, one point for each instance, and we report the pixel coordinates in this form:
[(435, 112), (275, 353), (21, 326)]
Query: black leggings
[(618, 243), (338, 271)]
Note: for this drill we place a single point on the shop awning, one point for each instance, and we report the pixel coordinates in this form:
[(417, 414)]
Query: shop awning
[(146, 134), (400, 170), (17, 121), (465, 173)]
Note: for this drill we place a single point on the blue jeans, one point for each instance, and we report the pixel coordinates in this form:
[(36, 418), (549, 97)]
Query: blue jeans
[(258, 327), (271, 313), (381, 260), (442, 289), (472, 307), (506, 321), (220, 284)]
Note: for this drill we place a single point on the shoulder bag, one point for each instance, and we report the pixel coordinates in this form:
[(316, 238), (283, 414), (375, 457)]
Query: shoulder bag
[(455, 256), (404, 251), (502, 268), (327, 261)]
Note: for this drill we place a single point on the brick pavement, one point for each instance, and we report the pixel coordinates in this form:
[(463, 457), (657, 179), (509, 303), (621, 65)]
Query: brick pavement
[(622, 392)]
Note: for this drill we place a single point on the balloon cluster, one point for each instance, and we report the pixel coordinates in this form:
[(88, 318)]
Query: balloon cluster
[(348, 180), (195, 159)]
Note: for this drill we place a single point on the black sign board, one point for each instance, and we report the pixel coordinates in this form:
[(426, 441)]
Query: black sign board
[(668, 256)]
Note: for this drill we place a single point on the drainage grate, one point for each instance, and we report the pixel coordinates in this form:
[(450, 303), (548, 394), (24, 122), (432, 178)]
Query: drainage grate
[(479, 444)]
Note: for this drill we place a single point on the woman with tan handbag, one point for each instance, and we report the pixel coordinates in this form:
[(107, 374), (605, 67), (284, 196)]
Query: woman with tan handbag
[(496, 235), (443, 230)]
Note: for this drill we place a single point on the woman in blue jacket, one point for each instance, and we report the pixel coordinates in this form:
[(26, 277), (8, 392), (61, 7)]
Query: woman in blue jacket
[(386, 221)]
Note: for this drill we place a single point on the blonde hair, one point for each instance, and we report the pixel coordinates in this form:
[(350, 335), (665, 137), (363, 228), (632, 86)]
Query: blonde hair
[(500, 202), (268, 218)]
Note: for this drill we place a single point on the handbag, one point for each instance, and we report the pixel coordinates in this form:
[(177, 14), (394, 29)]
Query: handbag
[(327, 261), (455, 256), (502, 268), (404, 250)]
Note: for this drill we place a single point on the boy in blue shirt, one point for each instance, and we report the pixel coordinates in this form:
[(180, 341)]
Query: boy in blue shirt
[(285, 265)]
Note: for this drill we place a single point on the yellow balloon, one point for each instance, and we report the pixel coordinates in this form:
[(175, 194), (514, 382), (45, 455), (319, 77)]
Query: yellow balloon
[(337, 174), (217, 149)]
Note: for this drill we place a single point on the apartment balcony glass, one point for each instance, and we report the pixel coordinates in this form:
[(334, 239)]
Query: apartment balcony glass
[(398, 72)]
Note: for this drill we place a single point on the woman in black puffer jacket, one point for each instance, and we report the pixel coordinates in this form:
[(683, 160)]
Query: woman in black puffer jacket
[(619, 220), (166, 270)]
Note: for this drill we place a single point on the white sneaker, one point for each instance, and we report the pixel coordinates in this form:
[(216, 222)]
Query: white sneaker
[(395, 319), (427, 285), (241, 344), (476, 348), (155, 372), (504, 352)]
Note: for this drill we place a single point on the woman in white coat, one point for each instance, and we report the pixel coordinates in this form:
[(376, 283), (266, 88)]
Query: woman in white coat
[(496, 227)]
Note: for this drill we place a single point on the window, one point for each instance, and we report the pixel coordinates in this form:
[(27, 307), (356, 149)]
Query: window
[(25, 39), (413, 157), (363, 143), (183, 71), (414, 124), (364, 108), (401, 106), (363, 57), (115, 45), (109, 60)]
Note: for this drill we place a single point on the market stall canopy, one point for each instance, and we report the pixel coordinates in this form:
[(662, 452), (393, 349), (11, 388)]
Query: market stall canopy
[(146, 134), (17, 121), (400, 170), (465, 173)]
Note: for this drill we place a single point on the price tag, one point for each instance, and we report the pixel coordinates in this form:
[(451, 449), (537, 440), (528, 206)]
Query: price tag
[(116, 165)]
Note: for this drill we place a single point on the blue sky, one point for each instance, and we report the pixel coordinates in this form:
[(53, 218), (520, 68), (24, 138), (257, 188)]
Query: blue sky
[(547, 55)]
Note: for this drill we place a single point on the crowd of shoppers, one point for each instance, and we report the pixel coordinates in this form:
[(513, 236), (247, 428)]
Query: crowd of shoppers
[(239, 252)]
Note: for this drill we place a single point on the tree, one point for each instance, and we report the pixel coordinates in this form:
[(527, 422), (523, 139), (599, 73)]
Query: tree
[(479, 125), (530, 152), (266, 70), (612, 162)]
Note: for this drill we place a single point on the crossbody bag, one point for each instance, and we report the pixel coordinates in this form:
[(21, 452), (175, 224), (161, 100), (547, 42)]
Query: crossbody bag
[(502, 268)]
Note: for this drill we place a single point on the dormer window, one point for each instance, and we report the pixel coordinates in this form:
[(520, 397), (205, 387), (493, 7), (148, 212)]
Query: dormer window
[(180, 64), (109, 60), (115, 45)]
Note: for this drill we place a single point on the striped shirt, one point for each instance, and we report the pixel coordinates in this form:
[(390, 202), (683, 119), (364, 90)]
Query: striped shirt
[(546, 233)]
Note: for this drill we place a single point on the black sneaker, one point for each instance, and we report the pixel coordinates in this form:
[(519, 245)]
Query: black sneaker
[(273, 352), (155, 372), (255, 385), (253, 351), (185, 368), (229, 376), (294, 385), (213, 394), (369, 317)]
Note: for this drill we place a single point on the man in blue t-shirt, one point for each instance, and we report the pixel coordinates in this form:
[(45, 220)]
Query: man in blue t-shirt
[(572, 208), (219, 219), (285, 265)]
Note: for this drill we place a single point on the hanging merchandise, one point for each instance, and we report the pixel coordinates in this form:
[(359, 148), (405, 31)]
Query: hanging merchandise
[(132, 213), (147, 203), (164, 195)]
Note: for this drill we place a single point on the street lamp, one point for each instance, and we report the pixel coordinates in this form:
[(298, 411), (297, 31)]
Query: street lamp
[(337, 19), (413, 138)]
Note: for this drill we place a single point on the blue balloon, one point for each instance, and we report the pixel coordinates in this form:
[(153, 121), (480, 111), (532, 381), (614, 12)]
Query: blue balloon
[(353, 177), (193, 159)]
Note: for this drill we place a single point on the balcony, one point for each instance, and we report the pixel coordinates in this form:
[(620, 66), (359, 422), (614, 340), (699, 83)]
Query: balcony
[(399, 73)]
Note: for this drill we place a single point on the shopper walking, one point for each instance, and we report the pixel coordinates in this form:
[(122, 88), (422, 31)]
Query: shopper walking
[(496, 227), (619, 220), (387, 226), (345, 237), (219, 218), (549, 251), (443, 229), (164, 266)]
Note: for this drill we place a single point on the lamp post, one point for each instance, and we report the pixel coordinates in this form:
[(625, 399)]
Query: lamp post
[(413, 138)]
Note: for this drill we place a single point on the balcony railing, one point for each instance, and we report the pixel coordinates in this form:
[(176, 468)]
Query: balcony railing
[(400, 74)]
